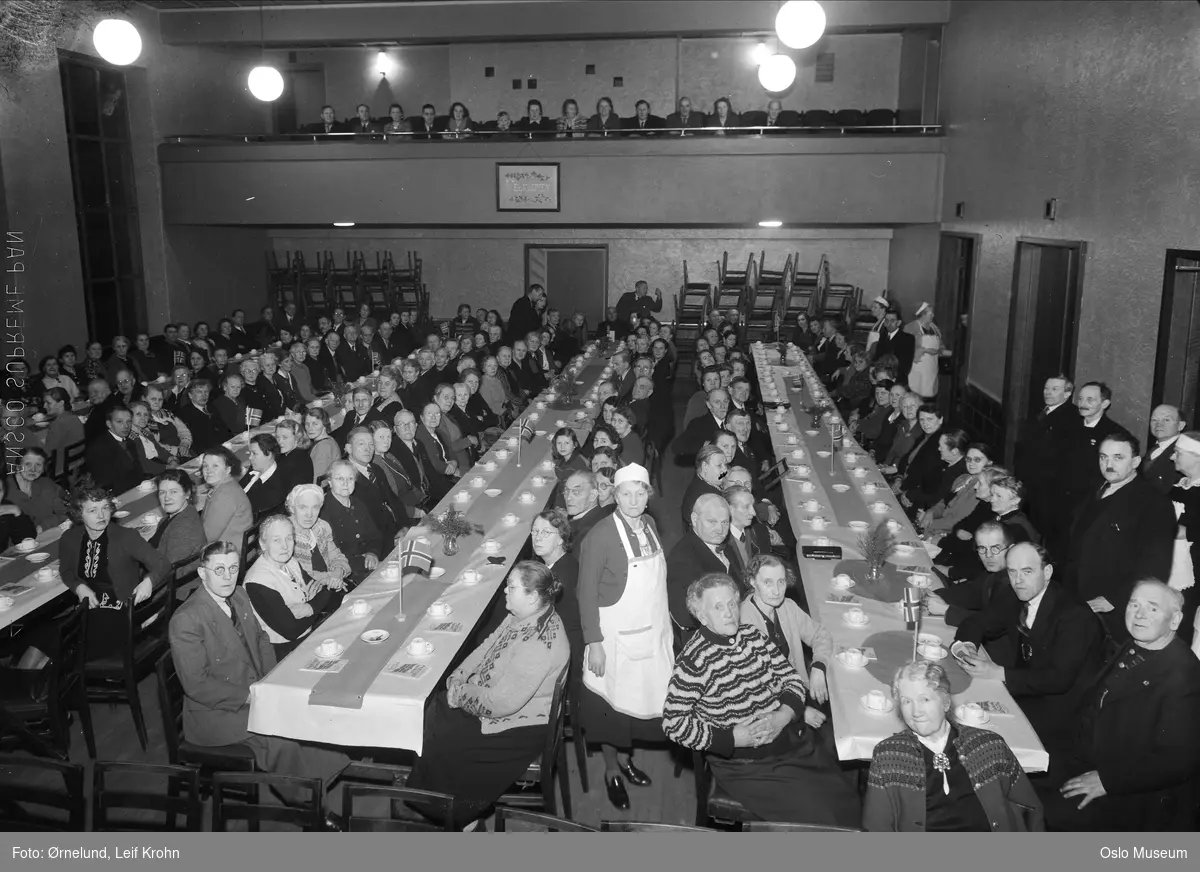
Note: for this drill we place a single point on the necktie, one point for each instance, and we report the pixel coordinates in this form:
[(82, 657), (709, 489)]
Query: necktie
[(420, 467), (1042, 415), (238, 627), (1023, 629), (131, 450)]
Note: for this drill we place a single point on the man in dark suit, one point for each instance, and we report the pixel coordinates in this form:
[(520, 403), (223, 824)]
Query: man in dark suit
[(1123, 532), (220, 650), (1133, 764), (263, 331), (113, 460), (327, 124), (623, 376), (523, 316), (702, 429), (102, 399), (363, 123), (243, 342), (360, 416), (1158, 464), (895, 341), (1042, 458), (639, 302), (642, 123), (685, 117), (1055, 645), (207, 427), (711, 466), (288, 320), (582, 502), (385, 345), (1083, 472), (352, 359), (701, 550), (417, 490), (428, 127), (964, 604), (385, 506)]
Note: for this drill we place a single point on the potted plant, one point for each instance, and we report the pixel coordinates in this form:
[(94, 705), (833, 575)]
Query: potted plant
[(451, 525), (876, 546)]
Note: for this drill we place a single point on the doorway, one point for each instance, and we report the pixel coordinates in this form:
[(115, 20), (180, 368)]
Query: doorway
[(575, 278), (1177, 368), (301, 101), (1043, 325), (952, 305)]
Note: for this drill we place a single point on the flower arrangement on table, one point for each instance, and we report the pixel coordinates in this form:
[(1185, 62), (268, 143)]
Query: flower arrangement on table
[(451, 525), (877, 546)]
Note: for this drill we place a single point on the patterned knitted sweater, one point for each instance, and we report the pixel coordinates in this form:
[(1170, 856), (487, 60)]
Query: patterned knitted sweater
[(508, 681), (720, 681)]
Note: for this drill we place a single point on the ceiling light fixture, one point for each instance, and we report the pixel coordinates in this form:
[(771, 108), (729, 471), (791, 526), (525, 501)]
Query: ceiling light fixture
[(117, 41), (800, 23), (770, 223), (265, 82), (777, 73), (343, 223)]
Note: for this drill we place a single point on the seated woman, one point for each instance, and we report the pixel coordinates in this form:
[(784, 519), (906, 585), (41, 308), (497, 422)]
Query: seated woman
[(958, 544), (566, 454), (906, 431), (633, 449), (265, 484), (603, 436), (324, 450), (52, 376), (1007, 496), (921, 464), (355, 534), (938, 776), (938, 484), (961, 500), (230, 407), (604, 458), (227, 513), (295, 463), (65, 427), (388, 403), (15, 525), (153, 456), (286, 602), (490, 724), (166, 429), (873, 423), (180, 533), (735, 696), (852, 390), (35, 495), (317, 553), (459, 124)]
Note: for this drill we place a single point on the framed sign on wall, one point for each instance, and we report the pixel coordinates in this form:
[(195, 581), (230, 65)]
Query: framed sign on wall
[(527, 187)]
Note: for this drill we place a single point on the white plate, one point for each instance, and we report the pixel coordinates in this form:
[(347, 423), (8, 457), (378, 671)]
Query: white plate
[(493, 492), (862, 703), (37, 557), (823, 453), (374, 637), (340, 650), (841, 488), (846, 620)]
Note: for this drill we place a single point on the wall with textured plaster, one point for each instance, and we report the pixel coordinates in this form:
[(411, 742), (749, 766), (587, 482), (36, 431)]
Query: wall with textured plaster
[(1092, 103), (487, 268)]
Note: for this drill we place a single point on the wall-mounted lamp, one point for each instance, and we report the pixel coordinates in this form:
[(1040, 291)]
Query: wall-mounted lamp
[(383, 64), (1052, 209), (960, 209)]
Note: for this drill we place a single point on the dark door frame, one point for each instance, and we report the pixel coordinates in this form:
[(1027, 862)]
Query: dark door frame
[(961, 361), (569, 245), (1020, 334), (1173, 255)]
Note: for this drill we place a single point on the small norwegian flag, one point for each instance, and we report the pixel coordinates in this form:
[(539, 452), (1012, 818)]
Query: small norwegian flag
[(415, 557), (253, 417), (527, 431), (912, 607)]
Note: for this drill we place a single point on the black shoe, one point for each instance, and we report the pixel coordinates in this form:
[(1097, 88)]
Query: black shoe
[(636, 776), (616, 792)]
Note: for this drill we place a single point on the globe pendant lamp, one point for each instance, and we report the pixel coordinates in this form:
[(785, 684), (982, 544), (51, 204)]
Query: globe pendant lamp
[(800, 23), (265, 82), (117, 41), (777, 73)]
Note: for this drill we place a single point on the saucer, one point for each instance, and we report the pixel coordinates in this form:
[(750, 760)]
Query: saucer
[(812, 432), (547, 464), (493, 492), (862, 703), (842, 582), (960, 713), (527, 498), (478, 481), (539, 481), (904, 550), (437, 571), (841, 488), (842, 658), (37, 557), (54, 576), (473, 578), (331, 656), (25, 549), (859, 472), (941, 655), (373, 637), (920, 580), (429, 611), (846, 620), (428, 651), (121, 514), (879, 507), (462, 496), (823, 453), (390, 574), (501, 453)]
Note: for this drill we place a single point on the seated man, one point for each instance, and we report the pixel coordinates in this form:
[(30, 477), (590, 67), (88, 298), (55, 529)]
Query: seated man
[(1052, 646), (205, 424), (702, 549), (327, 124), (711, 467), (1133, 764), (112, 460), (704, 428), (438, 451), (220, 650), (734, 696), (383, 504), (697, 405), (582, 500), (965, 603)]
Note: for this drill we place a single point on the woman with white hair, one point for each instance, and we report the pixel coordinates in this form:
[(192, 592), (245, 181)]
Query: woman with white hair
[(923, 377), (938, 776), (627, 631), (316, 551)]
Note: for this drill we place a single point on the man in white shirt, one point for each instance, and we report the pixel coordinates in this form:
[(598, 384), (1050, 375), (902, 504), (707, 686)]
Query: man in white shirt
[(1158, 465)]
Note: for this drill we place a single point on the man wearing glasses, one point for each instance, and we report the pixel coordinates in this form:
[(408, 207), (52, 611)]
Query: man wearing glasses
[(965, 603)]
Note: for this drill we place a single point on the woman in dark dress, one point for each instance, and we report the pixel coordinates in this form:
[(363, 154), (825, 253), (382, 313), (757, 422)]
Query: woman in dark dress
[(179, 534), (354, 533), (295, 462)]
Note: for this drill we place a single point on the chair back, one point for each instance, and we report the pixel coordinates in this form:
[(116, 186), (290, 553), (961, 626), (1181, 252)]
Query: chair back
[(250, 551), (440, 805), (643, 827), (535, 820), (170, 703), (131, 806), (789, 827), (24, 784), (236, 796)]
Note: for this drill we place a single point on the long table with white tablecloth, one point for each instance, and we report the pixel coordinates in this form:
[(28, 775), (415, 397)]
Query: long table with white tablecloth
[(307, 699), (835, 480)]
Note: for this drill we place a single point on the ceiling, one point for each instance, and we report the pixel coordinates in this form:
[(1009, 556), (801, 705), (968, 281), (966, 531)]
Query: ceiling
[(217, 5)]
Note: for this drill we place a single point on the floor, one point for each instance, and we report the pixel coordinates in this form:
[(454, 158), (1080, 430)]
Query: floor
[(669, 799)]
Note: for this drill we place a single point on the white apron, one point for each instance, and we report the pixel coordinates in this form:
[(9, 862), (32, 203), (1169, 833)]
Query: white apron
[(873, 336), (638, 653), (923, 377), (1183, 574)]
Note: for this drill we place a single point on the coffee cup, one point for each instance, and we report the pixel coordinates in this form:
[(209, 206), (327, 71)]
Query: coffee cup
[(853, 657), (797, 453), (860, 472), (778, 417), (470, 576), (512, 441), (360, 607), (588, 404), (811, 506), (919, 580), (478, 481), (783, 428), (490, 465), (842, 580), (27, 544), (876, 700), (533, 416), (879, 506), (818, 523), (972, 712), (539, 481), (892, 524), (462, 496), (581, 415), (526, 497), (329, 647), (150, 518), (823, 541), (547, 464), (851, 456), (46, 573), (929, 651), (419, 647), (439, 609), (855, 615), (807, 487), (502, 454), (391, 572), (869, 487), (803, 469), (540, 404)]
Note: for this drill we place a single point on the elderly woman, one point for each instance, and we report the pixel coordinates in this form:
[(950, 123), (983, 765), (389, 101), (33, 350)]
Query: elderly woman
[(227, 513), (388, 403), (734, 695), (921, 463), (627, 630), (295, 462), (784, 623), (490, 724), (906, 430), (324, 450), (941, 517), (35, 495), (353, 531), (958, 544), (938, 776), (166, 429), (286, 602), (552, 540), (52, 376), (180, 533), (230, 406), (317, 553), (153, 456)]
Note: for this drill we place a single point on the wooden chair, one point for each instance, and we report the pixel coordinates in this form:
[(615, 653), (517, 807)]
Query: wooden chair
[(641, 827), (344, 283), (313, 285), (206, 759), (53, 810), (250, 551), (788, 827), (114, 678), (506, 817), (553, 757), (67, 463), (229, 790), (181, 798), (48, 695), (281, 280), (714, 805), (440, 804)]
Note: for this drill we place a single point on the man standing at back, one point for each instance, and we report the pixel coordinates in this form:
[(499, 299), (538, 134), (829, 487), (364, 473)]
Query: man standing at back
[(639, 302), (1042, 458), (524, 317), (1158, 466)]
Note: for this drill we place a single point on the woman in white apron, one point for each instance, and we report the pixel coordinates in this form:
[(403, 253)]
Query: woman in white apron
[(879, 307), (1186, 498), (923, 377), (627, 629)]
